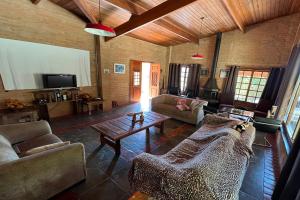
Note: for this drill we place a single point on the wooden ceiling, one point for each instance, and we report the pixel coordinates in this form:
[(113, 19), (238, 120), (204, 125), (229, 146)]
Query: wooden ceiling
[(183, 24)]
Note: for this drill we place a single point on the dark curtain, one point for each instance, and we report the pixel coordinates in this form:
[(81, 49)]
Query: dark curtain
[(288, 185), (227, 96), (174, 76), (273, 84), (193, 80)]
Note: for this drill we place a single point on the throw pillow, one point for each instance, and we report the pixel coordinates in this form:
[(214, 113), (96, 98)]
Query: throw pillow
[(181, 104), (45, 148)]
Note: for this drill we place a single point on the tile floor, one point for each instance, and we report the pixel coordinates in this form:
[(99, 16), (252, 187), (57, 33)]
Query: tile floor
[(107, 174)]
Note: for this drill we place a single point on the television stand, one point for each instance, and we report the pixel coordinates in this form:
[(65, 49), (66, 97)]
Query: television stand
[(56, 102)]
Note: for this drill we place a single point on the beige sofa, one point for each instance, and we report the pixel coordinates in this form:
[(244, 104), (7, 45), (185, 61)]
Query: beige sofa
[(166, 104), (40, 175)]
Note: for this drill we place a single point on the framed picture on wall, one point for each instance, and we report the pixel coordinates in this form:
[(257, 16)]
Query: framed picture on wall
[(224, 73), (119, 68), (204, 72)]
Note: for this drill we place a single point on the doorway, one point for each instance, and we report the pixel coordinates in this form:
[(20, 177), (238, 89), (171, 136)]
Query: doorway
[(144, 82), (145, 97)]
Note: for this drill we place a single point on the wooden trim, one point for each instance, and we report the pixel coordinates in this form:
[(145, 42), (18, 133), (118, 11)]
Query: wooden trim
[(285, 137), (35, 1), (86, 9), (229, 5), (151, 15)]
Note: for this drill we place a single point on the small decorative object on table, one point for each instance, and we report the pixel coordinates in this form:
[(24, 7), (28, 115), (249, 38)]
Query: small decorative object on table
[(14, 104), (134, 117)]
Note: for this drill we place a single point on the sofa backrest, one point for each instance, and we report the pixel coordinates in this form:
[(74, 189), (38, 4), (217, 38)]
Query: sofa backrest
[(171, 99), (7, 153)]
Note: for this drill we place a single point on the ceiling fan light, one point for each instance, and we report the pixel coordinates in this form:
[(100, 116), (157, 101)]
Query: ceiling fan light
[(100, 29), (197, 56)]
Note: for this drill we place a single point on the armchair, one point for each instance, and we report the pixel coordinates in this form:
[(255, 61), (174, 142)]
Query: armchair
[(40, 175)]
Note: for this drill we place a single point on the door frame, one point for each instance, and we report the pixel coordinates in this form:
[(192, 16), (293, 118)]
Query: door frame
[(130, 75)]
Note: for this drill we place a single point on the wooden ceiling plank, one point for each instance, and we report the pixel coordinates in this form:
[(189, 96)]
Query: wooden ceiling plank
[(230, 7), (151, 15), (86, 9), (176, 29), (35, 1), (127, 5)]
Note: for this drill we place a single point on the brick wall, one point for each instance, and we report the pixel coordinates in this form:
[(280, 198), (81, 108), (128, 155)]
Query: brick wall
[(43, 23), (263, 45), (50, 24), (122, 50)]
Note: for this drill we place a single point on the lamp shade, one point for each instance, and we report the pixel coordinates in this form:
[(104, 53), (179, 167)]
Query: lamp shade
[(197, 56), (100, 29)]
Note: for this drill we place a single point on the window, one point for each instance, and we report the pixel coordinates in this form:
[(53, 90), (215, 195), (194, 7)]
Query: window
[(136, 78), (183, 78), (250, 85), (293, 112)]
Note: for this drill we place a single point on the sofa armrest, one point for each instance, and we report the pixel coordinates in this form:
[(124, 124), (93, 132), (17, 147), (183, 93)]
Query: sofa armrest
[(42, 175), (23, 131)]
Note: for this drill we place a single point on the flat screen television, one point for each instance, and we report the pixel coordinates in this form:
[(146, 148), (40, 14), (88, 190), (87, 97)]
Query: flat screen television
[(59, 80)]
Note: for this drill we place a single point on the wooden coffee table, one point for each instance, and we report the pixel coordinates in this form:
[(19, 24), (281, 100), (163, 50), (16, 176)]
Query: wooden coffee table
[(112, 131)]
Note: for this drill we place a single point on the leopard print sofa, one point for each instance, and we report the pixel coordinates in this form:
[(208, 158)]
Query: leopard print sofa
[(208, 165)]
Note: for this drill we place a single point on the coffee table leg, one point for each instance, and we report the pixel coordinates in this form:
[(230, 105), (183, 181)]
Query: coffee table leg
[(162, 127), (118, 147), (102, 139)]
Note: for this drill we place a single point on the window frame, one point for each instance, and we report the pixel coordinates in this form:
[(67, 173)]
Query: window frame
[(290, 111), (249, 85)]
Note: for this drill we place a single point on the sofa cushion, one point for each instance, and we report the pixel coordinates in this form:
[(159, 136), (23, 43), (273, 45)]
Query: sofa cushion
[(7, 153), (45, 148), (37, 142)]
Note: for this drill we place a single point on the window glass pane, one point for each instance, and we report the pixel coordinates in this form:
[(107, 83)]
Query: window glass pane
[(250, 84), (254, 87), (258, 94), (251, 99), (294, 118), (245, 86), (243, 92), (261, 88), (255, 81), (252, 93), (257, 74), (263, 81), (246, 80), (242, 98)]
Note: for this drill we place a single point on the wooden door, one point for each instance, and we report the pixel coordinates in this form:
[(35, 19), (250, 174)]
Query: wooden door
[(154, 80), (135, 80)]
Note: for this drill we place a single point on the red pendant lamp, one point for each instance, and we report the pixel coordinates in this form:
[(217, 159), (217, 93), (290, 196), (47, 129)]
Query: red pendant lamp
[(100, 29), (198, 56)]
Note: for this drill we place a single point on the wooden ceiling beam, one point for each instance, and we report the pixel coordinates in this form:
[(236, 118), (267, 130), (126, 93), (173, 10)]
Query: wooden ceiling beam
[(35, 1), (151, 15), (229, 5), (86, 9)]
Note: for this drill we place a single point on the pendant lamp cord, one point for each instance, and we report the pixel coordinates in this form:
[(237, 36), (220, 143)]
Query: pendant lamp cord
[(99, 12), (202, 18)]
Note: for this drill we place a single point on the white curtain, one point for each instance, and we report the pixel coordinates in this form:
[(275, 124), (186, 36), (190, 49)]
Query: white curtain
[(23, 63)]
